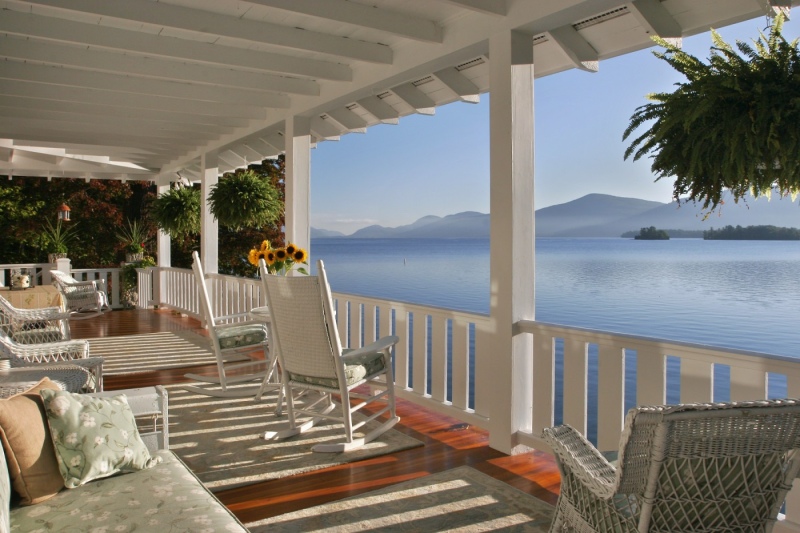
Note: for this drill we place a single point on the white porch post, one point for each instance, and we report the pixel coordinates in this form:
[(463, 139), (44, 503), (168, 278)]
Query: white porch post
[(163, 253), (298, 181), (209, 229), (163, 241), (512, 236)]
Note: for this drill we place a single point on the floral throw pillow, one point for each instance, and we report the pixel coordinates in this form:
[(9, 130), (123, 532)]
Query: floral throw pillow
[(93, 437)]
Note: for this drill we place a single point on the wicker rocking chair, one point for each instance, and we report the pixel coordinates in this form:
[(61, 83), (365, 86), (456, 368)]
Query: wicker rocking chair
[(83, 299), (688, 468), (314, 365), (234, 335)]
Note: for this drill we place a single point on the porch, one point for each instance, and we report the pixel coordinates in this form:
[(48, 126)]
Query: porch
[(443, 369), (448, 442)]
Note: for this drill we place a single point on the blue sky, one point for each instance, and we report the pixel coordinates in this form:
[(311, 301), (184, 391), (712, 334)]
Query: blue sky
[(439, 165)]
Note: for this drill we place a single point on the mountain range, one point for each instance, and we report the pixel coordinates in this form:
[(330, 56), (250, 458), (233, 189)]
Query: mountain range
[(594, 215)]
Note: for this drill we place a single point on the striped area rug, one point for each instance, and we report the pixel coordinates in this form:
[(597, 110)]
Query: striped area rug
[(130, 354), (461, 499)]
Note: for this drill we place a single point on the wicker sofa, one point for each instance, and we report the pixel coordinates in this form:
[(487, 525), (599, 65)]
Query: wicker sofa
[(165, 497)]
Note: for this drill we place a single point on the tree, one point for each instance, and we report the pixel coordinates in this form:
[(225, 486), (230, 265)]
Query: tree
[(98, 209), (652, 234), (735, 124)]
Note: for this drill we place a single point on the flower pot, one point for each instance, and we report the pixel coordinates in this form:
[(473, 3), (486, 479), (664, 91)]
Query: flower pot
[(52, 257), (134, 258)]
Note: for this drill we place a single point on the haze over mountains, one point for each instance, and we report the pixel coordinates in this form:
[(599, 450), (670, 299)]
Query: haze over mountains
[(594, 215)]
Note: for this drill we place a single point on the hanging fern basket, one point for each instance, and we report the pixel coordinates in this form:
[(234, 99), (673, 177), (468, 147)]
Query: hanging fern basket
[(177, 212), (734, 124), (245, 199)]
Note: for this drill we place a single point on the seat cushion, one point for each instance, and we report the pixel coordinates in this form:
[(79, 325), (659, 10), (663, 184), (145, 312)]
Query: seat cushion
[(232, 337), (356, 369), (161, 499), (28, 446)]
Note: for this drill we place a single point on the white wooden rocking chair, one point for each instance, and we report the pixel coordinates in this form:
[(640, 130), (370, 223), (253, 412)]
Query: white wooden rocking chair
[(233, 335), (311, 358)]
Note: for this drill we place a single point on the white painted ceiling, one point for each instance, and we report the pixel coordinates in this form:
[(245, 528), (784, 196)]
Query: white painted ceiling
[(140, 89)]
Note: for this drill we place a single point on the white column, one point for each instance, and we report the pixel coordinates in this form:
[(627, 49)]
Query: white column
[(512, 236), (298, 181), (163, 254), (209, 228), (163, 241)]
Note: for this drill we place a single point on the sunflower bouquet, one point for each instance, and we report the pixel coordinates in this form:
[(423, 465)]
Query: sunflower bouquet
[(279, 260)]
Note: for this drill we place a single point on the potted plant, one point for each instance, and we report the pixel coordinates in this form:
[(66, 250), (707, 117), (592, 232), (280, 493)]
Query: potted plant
[(177, 211), (133, 237), (245, 199), (56, 239), (735, 124)]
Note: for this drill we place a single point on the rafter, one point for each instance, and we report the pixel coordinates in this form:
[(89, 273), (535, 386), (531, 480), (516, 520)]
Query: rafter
[(488, 7), (380, 109), (27, 24), (13, 70), (348, 120), (325, 128), (576, 48), (459, 84), (111, 98), (361, 15), (415, 98), (656, 20), (127, 65), (161, 15)]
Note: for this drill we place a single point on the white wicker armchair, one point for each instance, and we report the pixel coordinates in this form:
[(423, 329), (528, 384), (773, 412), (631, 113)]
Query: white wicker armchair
[(83, 299), (31, 326), (51, 355), (689, 468)]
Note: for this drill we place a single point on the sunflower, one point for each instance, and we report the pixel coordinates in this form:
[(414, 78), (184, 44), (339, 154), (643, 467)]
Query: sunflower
[(265, 246), (299, 255), (253, 256), (291, 248), (280, 254), (270, 257)]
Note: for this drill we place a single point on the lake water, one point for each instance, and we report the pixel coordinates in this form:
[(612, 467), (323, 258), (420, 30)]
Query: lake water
[(734, 294)]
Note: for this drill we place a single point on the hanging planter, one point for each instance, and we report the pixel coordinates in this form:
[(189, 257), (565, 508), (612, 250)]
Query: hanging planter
[(177, 211), (735, 124), (245, 199)]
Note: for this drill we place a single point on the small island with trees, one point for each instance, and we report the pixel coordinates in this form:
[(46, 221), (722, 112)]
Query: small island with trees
[(652, 234), (752, 233)]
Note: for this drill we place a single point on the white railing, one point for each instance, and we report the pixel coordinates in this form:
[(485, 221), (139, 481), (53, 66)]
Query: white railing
[(442, 354), (110, 277), (40, 275), (439, 355), (649, 372), (37, 271)]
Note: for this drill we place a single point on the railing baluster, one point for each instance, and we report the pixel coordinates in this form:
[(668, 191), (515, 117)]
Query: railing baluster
[(438, 357), (697, 381), (747, 384), (650, 376), (401, 350), (544, 371), (419, 359), (611, 395), (575, 381), (460, 365)]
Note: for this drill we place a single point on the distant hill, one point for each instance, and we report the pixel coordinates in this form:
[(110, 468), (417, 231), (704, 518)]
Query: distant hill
[(595, 215), (325, 234)]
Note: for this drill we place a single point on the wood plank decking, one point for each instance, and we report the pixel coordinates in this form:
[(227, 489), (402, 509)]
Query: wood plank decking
[(448, 442)]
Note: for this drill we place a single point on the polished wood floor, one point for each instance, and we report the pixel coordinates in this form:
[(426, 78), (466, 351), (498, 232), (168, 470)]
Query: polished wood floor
[(448, 443)]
